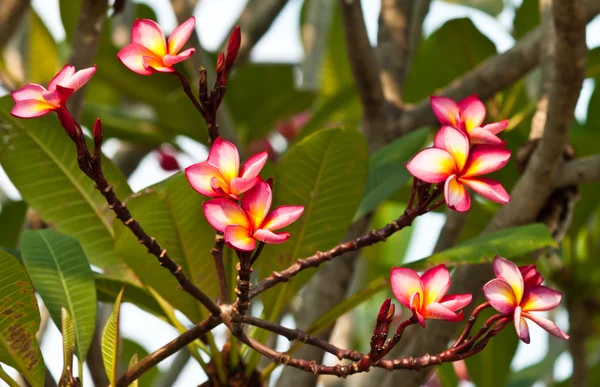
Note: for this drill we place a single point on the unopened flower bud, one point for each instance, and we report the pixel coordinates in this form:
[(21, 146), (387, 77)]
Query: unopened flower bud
[(98, 137), (233, 47), (67, 122), (167, 159), (382, 316), (203, 85), (220, 63)]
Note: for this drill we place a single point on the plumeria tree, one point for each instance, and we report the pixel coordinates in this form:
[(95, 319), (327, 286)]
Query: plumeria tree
[(255, 230)]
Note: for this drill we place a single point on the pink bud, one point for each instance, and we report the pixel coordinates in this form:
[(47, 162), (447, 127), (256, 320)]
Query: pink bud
[(67, 122), (233, 47), (167, 159), (97, 131)]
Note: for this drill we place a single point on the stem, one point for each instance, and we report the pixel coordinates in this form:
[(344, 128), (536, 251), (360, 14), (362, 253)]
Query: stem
[(242, 304), (217, 254), (188, 91), (7, 379)]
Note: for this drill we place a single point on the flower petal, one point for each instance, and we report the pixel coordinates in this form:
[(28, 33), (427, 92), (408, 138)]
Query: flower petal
[(436, 282), (481, 136), (240, 185), (170, 60), (29, 91), (31, 108), (147, 33), (472, 112), (441, 312), (132, 56), (180, 35), (496, 127), (253, 165), (224, 155), (152, 63), (432, 165), (199, 176), (521, 326), (239, 238), (500, 295), (63, 75), (282, 216), (79, 79), (221, 213), (509, 273), (488, 188), (257, 203), (547, 325), (271, 237), (405, 283), (486, 159), (445, 109), (531, 276), (541, 298), (456, 195), (456, 301), (455, 142)]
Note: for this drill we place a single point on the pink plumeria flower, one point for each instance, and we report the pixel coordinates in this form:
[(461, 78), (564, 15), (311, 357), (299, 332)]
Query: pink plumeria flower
[(426, 295), (513, 295), (34, 100), (468, 115), (244, 225), (220, 174), (149, 52), (451, 160)]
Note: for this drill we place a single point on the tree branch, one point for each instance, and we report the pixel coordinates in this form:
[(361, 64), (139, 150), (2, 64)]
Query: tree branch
[(582, 170), (11, 13)]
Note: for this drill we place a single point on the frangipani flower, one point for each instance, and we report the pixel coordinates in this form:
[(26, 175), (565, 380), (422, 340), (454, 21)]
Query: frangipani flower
[(452, 161), (148, 51), (220, 174), (517, 292), (34, 100), (468, 115), (244, 225), (426, 296)]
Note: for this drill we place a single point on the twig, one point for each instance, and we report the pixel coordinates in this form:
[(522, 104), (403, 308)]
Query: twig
[(217, 254), (582, 170), (188, 91)]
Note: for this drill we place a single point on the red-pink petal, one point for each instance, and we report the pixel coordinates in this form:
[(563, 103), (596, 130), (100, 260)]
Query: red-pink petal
[(29, 91), (132, 56), (63, 75), (456, 195), (253, 165), (181, 35), (257, 203), (152, 63), (170, 60), (432, 165), (147, 33), (59, 96), (199, 176), (531, 276), (239, 238), (541, 298), (521, 326), (496, 127), (440, 312), (405, 283), (472, 112), (488, 188), (509, 273), (445, 109), (456, 301), (500, 295), (221, 213), (481, 136), (31, 108), (282, 216), (485, 159), (79, 79), (271, 237), (240, 185), (224, 155), (455, 142), (436, 282), (547, 325)]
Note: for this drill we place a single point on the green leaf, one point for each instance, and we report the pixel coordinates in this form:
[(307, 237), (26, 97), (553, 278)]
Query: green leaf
[(387, 170), (110, 341), (69, 341), (447, 375), (491, 367), (132, 362), (41, 161), (325, 173), (509, 243), (593, 63), (69, 13), (19, 321), (172, 213), (529, 375), (42, 52), (492, 7), (62, 276), (459, 45), (130, 350), (12, 218), (527, 17)]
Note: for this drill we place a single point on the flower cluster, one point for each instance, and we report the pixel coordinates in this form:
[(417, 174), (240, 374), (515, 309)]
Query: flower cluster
[(462, 152), (220, 177)]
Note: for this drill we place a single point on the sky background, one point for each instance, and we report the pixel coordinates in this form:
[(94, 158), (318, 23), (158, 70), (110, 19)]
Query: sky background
[(282, 44)]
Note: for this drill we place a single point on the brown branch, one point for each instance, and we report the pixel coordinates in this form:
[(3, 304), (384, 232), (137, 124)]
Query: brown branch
[(167, 350), (582, 170), (217, 254), (11, 14), (579, 329)]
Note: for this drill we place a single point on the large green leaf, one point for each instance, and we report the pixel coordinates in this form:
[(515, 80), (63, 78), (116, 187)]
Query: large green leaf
[(493, 7), (453, 50), (12, 218), (172, 213), (387, 170), (63, 277), (69, 13), (527, 17), (593, 63), (19, 321), (69, 342), (41, 161), (325, 173), (110, 341), (42, 52)]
